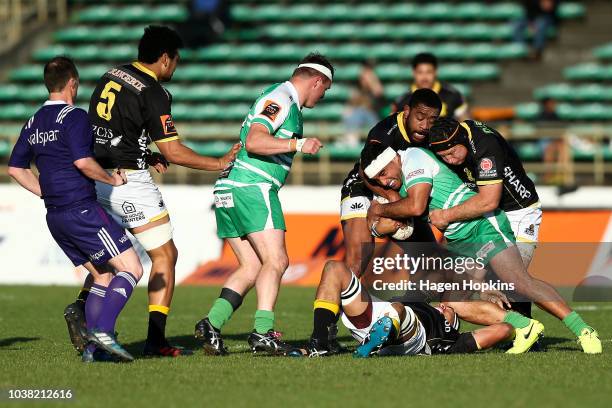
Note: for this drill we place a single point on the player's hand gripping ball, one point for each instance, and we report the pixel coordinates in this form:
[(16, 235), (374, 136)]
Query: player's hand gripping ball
[(405, 230)]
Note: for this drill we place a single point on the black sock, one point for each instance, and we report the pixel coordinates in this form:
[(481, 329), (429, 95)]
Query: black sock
[(523, 308), (156, 335), (323, 318), (82, 297)]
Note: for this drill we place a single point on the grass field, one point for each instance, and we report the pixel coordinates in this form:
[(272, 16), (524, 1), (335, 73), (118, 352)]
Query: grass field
[(35, 353)]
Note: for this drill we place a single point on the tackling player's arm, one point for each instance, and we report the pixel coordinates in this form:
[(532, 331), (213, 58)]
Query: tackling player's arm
[(177, 153), (489, 179)]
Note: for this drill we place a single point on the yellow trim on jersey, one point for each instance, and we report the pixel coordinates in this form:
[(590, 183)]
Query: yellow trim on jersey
[(437, 87), (528, 241), (144, 69), (160, 216), (400, 125), (486, 182), (350, 217), (467, 128), (159, 308), (324, 304), (168, 139)]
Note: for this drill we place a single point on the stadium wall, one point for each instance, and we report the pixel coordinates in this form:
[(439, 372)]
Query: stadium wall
[(582, 221)]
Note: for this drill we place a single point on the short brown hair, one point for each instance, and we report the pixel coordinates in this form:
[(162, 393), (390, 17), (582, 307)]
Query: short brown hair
[(313, 58), (58, 72)]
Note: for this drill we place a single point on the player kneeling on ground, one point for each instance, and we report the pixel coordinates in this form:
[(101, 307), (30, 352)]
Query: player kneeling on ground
[(388, 328)]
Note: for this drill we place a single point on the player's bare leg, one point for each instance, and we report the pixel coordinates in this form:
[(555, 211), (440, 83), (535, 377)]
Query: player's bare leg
[(156, 238), (235, 288), (509, 267), (356, 234)]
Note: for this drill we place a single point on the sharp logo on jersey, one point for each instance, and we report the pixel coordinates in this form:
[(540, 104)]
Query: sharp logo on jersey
[(271, 110), (486, 168), (515, 182), (356, 206), (168, 125)]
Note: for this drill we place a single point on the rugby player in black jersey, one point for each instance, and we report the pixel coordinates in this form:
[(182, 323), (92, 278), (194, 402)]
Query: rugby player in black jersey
[(485, 161), (425, 74), (129, 109), (399, 131)]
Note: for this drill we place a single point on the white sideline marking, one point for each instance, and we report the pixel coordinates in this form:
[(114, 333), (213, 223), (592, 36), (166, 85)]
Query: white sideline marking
[(592, 308)]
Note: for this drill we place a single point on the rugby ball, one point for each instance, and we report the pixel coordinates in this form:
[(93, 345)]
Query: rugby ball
[(403, 233)]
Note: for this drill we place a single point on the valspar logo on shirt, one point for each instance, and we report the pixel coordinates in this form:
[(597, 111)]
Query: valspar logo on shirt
[(43, 137), (224, 200)]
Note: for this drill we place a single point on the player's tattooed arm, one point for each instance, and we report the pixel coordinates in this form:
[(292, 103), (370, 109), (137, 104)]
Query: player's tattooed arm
[(26, 178), (486, 200), (413, 205)]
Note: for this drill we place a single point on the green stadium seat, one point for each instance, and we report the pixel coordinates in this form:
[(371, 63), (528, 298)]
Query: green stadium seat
[(569, 92), (527, 111), (5, 148), (528, 151), (569, 10), (112, 33), (588, 72), (604, 52), (134, 13), (16, 111), (212, 149)]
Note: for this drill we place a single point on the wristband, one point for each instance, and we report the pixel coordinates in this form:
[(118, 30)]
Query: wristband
[(373, 230), (299, 144)]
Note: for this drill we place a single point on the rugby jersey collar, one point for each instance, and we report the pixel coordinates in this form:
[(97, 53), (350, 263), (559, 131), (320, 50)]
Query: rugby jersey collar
[(144, 69), (294, 93), (57, 102)]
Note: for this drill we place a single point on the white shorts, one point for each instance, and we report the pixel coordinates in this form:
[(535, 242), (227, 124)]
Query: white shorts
[(414, 345), (354, 207), (525, 224), (134, 204)]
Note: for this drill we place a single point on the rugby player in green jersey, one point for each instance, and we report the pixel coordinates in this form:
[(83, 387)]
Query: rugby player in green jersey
[(425, 183), (247, 208)]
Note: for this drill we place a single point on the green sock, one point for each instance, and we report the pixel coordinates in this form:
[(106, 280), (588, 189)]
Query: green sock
[(574, 322), (516, 320), (264, 321), (220, 313)]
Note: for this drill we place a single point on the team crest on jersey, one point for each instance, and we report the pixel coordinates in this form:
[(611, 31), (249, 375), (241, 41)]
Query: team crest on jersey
[(271, 110), (487, 168), (168, 125)]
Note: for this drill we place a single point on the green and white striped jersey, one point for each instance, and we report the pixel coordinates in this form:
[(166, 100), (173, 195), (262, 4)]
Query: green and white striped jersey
[(447, 190), (278, 109)]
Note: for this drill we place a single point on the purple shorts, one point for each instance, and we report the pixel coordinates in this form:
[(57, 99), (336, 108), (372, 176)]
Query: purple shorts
[(87, 233)]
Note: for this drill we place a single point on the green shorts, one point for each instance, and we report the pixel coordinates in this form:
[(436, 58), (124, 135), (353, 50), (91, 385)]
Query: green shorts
[(242, 210), (491, 236)]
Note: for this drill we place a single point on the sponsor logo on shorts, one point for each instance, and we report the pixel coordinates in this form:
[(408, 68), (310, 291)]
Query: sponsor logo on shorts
[(128, 208), (128, 219), (271, 110), (357, 206), (530, 230), (97, 255), (161, 204), (123, 239), (225, 200), (483, 252)]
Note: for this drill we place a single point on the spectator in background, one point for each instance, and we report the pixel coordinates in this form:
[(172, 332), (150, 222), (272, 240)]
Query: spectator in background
[(539, 16), (555, 151), (208, 20), (365, 105), (425, 74)]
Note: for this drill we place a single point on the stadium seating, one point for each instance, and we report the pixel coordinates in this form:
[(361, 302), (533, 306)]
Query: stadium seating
[(214, 86)]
